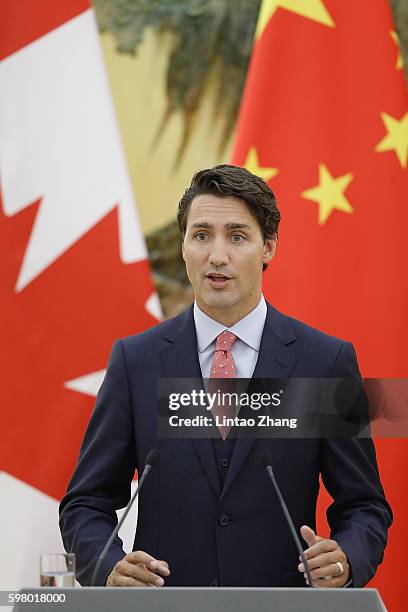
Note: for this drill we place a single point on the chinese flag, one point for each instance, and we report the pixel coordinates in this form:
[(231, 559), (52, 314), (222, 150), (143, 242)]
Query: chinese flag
[(74, 274), (324, 120)]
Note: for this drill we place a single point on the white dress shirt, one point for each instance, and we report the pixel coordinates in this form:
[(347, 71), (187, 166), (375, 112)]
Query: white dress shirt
[(245, 349)]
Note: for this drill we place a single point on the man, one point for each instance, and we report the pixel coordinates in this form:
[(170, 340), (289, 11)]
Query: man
[(207, 514)]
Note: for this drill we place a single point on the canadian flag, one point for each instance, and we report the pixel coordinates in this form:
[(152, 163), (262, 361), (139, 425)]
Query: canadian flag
[(74, 271)]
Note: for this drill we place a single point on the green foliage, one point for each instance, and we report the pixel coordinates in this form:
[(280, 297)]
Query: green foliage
[(212, 41), (400, 14)]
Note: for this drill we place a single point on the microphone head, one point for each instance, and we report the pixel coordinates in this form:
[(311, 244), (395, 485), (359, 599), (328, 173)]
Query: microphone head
[(153, 458), (265, 459)]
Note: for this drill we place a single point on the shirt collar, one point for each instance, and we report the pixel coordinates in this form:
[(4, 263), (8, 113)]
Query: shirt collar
[(249, 329)]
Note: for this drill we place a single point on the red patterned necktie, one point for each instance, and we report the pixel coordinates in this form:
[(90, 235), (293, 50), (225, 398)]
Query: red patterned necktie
[(223, 366)]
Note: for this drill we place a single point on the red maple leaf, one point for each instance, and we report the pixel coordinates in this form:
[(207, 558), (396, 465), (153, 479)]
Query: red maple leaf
[(58, 328)]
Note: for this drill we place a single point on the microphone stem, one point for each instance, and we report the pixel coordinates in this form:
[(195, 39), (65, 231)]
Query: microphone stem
[(120, 523), (291, 525)]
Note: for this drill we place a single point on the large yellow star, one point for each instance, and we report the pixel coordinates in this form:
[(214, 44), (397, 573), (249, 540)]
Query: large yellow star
[(329, 193), (311, 9), (395, 38), (397, 137), (252, 164)]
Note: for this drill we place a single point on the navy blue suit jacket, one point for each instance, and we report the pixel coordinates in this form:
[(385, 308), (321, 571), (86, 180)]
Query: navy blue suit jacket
[(182, 500)]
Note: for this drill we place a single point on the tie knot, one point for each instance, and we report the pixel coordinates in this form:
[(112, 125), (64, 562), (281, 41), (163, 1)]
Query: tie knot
[(225, 341)]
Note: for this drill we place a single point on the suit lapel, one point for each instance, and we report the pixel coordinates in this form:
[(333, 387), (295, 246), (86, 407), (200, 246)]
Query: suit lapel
[(278, 354), (180, 360)]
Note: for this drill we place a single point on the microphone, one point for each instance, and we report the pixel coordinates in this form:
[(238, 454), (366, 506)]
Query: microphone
[(267, 464), (152, 460)]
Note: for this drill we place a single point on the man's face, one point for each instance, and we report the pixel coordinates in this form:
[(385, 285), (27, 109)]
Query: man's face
[(224, 253)]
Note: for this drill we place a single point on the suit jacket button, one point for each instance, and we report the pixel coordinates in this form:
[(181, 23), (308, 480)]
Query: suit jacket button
[(224, 520), (224, 463), (214, 582)]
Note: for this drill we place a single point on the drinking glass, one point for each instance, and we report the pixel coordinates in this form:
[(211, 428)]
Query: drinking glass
[(57, 570)]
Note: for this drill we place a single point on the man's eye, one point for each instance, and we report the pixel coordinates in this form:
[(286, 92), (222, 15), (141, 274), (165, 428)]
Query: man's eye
[(237, 238), (200, 236)]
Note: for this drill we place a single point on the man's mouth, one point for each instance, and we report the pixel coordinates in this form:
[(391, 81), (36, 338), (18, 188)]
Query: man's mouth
[(218, 280)]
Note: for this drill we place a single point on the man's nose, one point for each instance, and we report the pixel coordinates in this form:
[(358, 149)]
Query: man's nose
[(219, 253)]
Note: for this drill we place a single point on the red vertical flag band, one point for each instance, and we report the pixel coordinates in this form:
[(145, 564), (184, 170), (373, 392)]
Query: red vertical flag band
[(324, 119), (74, 274)]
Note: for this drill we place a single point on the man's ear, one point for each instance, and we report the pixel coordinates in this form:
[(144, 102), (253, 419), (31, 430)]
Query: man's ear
[(182, 250), (269, 250)]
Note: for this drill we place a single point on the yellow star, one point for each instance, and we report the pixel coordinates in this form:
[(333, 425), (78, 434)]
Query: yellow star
[(252, 164), (329, 194), (311, 9), (395, 38), (397, 137)]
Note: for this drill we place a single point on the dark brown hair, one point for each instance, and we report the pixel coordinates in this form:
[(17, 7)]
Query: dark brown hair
[(225, 180)]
